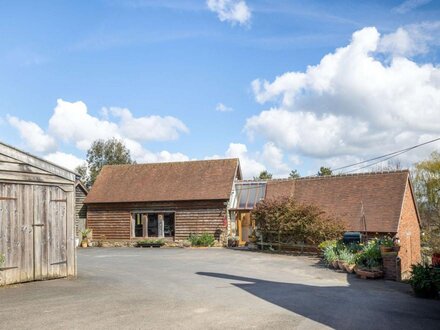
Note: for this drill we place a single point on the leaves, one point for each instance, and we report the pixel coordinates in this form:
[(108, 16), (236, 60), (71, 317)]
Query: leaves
[(295, 222)]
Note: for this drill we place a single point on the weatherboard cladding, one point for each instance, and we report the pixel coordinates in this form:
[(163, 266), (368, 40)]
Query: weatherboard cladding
[(178, 181), (377, 196)]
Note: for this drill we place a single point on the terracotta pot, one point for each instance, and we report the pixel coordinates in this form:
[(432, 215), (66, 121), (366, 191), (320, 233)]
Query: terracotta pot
[(341, 265), (349, 268), (84, 244), (365, 273), (335, 264)]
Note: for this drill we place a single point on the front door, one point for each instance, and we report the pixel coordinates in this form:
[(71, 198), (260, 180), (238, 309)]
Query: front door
[(244, 227)]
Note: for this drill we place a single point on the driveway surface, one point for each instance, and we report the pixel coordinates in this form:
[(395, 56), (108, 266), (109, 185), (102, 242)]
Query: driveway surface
[(210, 289)]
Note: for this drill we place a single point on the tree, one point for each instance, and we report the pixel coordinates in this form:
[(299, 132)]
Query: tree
[(294, 174), (84, 177), (264, 175), (426, 179), (106, 152), (325, 171)]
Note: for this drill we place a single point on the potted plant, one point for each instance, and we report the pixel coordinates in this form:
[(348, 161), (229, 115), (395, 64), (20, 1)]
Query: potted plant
[(85, 237), (233, 241), (425, 281), (347, 259), (331, 257), (369, 261), (386, 244)]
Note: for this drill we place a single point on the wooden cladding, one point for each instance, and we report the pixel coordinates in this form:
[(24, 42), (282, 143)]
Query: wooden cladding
[(113, 221)]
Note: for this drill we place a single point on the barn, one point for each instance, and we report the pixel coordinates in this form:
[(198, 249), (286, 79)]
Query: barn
[(165, 200), (37, 205), (375, 204)]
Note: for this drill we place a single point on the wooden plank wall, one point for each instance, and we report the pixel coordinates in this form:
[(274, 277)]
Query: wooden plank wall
[(32, 196), (113, 221), (80, 210)]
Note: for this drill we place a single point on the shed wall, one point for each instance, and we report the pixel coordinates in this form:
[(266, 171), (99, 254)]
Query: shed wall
[(80, 210), (113, 221)]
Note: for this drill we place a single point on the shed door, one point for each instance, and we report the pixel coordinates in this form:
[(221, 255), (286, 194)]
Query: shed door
[(50, 235)]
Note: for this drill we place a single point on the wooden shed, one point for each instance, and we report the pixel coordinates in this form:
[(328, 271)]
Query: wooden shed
[(37, 205), (80, 208)]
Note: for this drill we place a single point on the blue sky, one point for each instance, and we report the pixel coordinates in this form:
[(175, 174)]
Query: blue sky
[(156, 73)]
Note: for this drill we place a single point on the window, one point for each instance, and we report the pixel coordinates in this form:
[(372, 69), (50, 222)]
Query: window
[(248, 194), (153, 224)]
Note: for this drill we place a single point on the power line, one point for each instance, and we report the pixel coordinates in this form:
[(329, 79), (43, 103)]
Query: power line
[(388, 156)]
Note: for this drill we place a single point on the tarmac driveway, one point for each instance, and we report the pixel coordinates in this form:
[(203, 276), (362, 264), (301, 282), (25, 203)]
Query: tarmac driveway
[(210, 289)]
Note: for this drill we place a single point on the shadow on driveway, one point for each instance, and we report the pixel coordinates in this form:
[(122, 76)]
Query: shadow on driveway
[(360, 305)]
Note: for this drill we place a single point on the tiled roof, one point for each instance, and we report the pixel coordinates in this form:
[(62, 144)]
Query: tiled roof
[(178, 181), (377, 196)]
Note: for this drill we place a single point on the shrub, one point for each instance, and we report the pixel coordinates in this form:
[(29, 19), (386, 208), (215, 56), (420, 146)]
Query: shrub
[(425, 281), (346, 256), (386, 241), (158, 241), (330, 254), (295, 222), (369, 257), (204, 239)]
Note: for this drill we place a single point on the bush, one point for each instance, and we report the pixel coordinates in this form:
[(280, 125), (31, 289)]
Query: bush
[(369, 257), (295, 222), (158, 241), (204, 239), (425, 281)]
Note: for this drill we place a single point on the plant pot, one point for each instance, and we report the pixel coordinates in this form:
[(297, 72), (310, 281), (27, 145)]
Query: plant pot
[(386, 249), (341, 265), (435, 259), (334, 264), (84, 244), (349, 268), (368, 274)]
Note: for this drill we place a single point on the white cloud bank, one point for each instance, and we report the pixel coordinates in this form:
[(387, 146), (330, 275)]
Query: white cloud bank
[(351, 103), (232, 11), (71, 123)]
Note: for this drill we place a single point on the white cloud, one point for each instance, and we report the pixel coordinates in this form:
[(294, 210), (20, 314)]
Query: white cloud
[(411, 40), (148, 128), (249, 165), (223, 108), (73, 124), (68, 161), (409, 5), (274, 158), (233, 11), (33, 135), (351, 102)]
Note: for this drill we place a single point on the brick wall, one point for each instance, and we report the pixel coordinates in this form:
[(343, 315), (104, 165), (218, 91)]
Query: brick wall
[(409, 234)]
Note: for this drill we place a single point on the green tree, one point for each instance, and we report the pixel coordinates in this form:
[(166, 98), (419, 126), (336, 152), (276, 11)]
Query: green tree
[(84, 177), (325, 171), (264, 175), (106, 152), (426, 179), (294, 174)]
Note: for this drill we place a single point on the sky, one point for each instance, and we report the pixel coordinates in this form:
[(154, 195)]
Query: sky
[(282, 85)]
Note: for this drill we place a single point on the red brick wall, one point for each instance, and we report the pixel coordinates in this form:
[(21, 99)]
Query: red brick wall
[(409, 234)]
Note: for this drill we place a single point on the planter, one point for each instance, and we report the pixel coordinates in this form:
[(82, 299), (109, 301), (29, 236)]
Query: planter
[(349, 268), (149, 245), (435, 259), (341, 265), (334, 264), (368, 274), (84, 244), (385, 249)]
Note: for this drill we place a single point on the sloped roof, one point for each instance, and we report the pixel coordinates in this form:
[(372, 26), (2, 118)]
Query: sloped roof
[(379, 196), (179, 181)]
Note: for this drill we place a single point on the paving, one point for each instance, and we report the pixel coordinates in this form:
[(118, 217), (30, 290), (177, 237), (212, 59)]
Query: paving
[(129, 288)]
